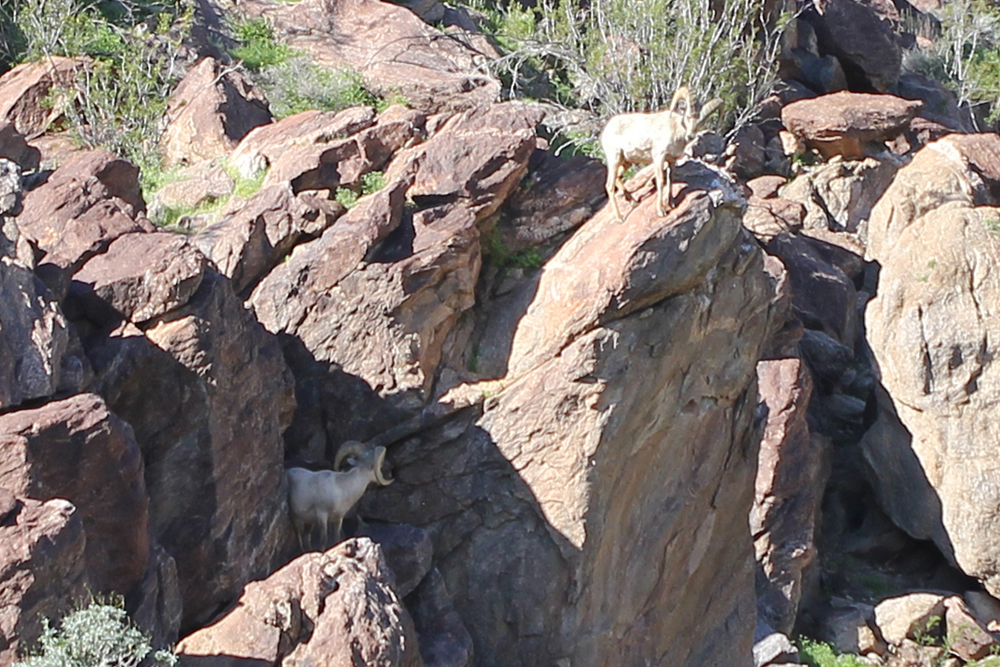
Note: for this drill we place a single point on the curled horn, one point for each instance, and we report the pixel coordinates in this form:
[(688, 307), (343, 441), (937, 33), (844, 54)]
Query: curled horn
[(351, 448), (379, 460), (710, 107)]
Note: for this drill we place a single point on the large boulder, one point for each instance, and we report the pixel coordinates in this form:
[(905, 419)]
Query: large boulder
[(40, 354), (862, 41), (846, 123), (25, 89), (582, 504), (90, 200), (77, 450), (394, 51), (42, 574), (211, 110), (264, 144), (367, 307), (336, 608), (933, 328), (331, 161), (788, 491), (208, 394), (258, 233), (139, 277)]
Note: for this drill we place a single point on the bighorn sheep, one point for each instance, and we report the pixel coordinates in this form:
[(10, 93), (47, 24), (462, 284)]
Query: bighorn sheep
[(657, 137), (325, 496)]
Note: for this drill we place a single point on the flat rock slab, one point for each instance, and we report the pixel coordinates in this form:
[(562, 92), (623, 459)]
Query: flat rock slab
[(843, 123), (394, 51), (141, 276), (263, 144)]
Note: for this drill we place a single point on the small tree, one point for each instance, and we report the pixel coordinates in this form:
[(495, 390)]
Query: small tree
[(99, 635)]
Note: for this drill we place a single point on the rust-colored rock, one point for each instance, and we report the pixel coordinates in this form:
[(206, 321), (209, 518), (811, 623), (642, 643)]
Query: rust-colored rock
[(336, 608), (24, 89), (211, 110), (40, 354), (477, 158), (966, 637), (327, 164), (560, 196), (208, 394), (594, 426), (402, 303), (248, 242), (264, 144), (139, 277), (41, 569), (844, 123), (77, 450), (394, 51), (789, 485), (766, 218), (89, 201), (861, 39)]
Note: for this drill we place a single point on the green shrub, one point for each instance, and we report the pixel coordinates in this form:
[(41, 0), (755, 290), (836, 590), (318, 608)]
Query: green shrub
[(257, 45), (119, 99), (821, 654), (99, 635), (298, 85), (370, 182)]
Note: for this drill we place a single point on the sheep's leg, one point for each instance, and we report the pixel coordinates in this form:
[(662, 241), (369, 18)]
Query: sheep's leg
[(661, 168), (338, 530), (322, 532), (299, 527), (669, 184), (611, 185)]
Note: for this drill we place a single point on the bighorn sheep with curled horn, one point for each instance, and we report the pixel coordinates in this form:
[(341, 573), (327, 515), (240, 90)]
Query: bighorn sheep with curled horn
[(658, 137), (325, 496)]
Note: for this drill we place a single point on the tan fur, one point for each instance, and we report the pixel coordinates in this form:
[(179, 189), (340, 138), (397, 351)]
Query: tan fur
[(658, 138)]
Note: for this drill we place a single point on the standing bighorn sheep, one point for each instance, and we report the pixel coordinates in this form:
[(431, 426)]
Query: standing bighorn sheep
[(325, 496), (657, 137)]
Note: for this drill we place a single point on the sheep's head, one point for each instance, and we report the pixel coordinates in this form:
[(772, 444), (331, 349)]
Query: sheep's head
[(358, 455)]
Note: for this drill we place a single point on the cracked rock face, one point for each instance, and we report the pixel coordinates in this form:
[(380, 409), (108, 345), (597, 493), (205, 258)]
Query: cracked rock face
[(933, 330), (606, 482)]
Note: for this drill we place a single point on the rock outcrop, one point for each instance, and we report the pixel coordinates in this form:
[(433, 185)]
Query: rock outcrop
[(932, 329), (210, 111), (41, 567), (336, 608), (394, 51), (637, 503)]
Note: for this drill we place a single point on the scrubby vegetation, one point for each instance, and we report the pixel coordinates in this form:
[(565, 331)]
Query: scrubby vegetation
[(613, 56), (820, 654), (98, 635), (291, 81), (965, 55), (128, 68)]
